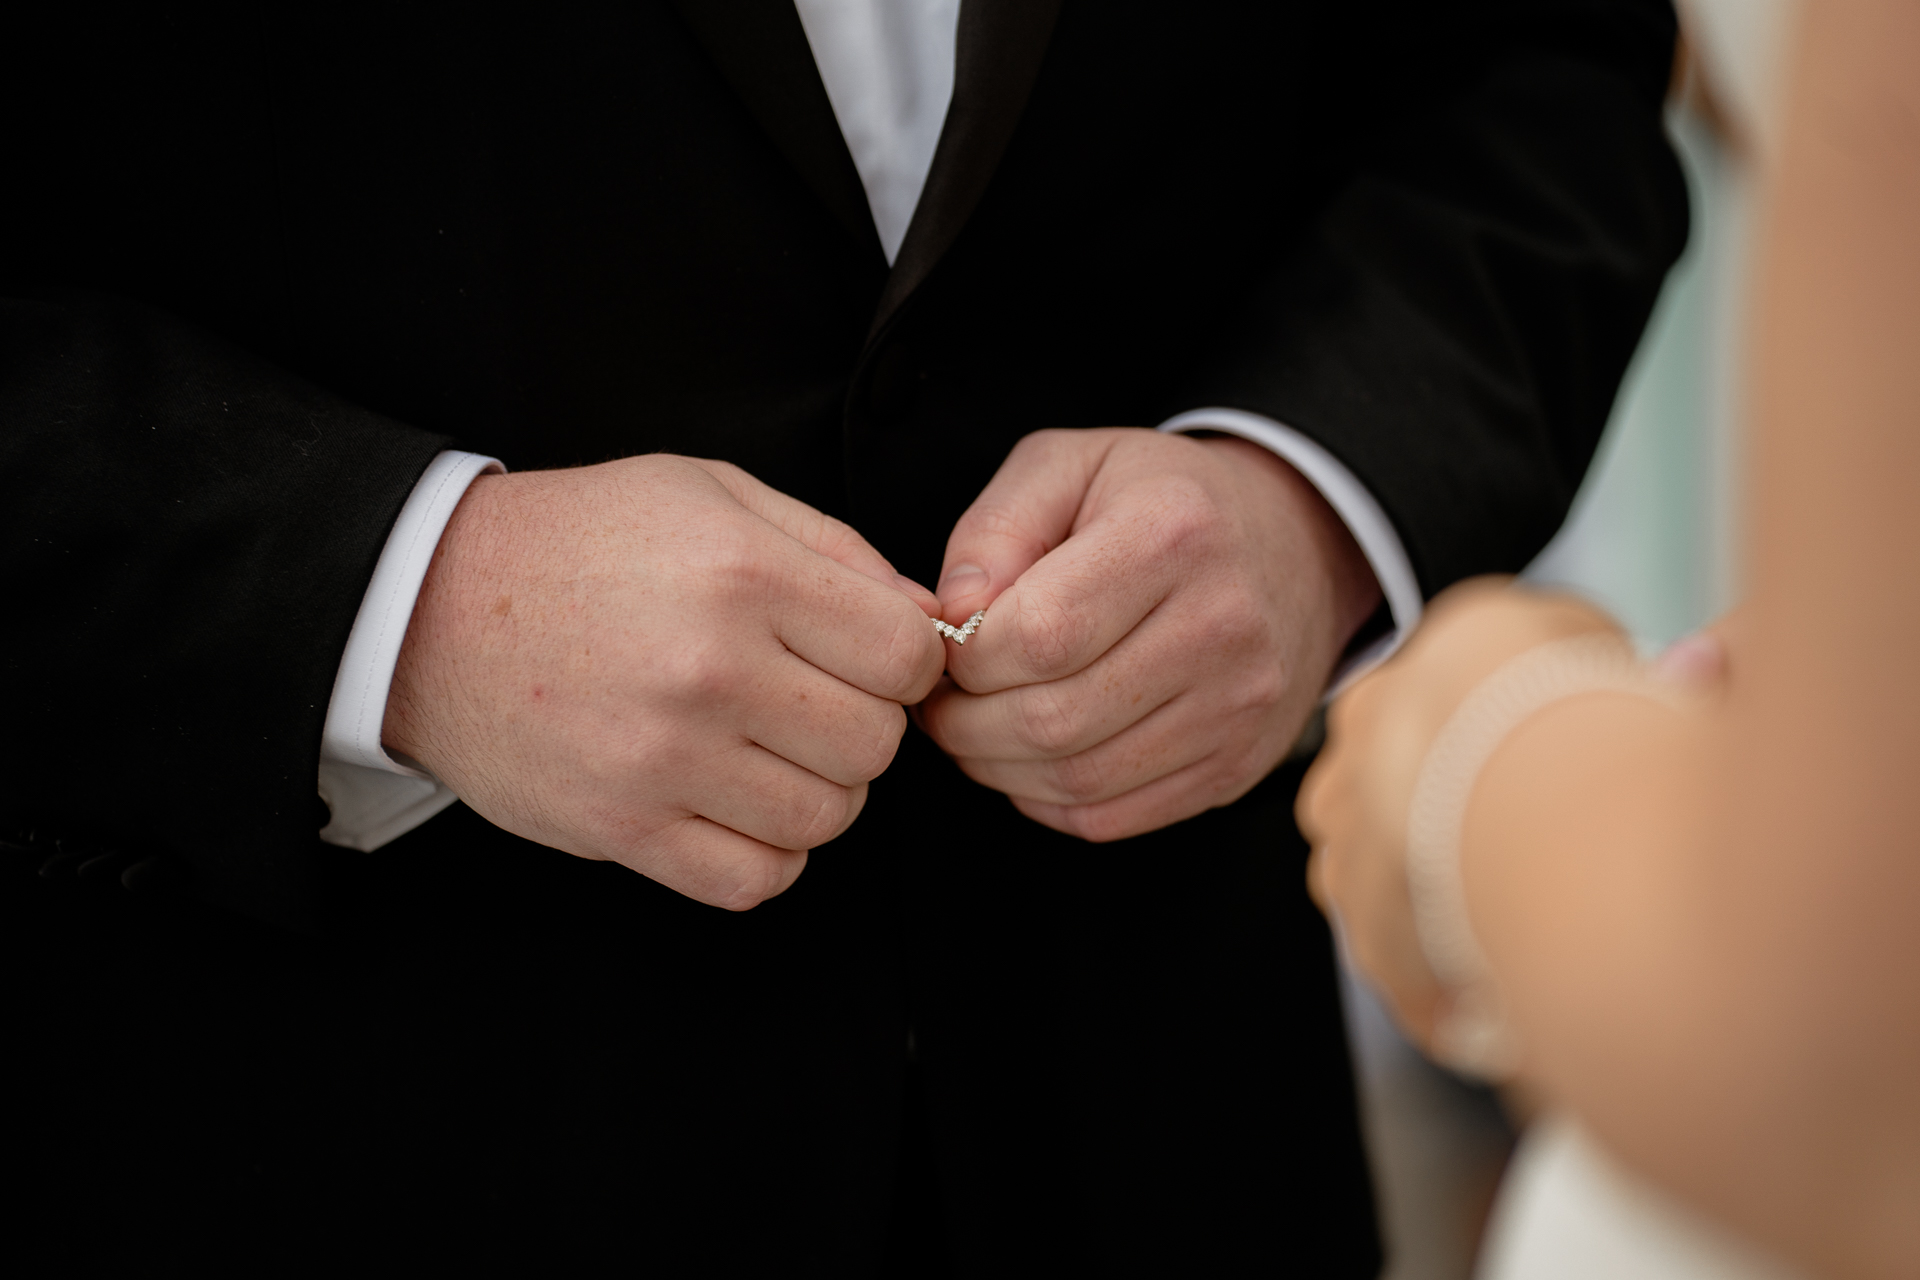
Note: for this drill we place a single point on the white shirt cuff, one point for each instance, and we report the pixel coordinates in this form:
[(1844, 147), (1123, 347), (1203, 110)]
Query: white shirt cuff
[(1355, 506), (372, 797)]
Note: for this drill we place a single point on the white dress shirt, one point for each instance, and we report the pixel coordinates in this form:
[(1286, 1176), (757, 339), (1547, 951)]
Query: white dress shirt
[(888, 67), (372, 797)]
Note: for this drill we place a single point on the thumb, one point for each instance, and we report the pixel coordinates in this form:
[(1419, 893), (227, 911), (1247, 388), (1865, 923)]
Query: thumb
[(816, 530), (1026, 510)]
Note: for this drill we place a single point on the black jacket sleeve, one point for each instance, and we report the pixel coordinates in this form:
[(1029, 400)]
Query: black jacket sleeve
[(1456, 319), (185, 537), (1434, 253)]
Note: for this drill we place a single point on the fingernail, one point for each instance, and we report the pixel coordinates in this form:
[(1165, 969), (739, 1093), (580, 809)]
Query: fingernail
[(908, 585), (960, 581)]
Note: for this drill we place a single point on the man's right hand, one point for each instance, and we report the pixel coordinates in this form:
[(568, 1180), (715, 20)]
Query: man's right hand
[(662, 662)]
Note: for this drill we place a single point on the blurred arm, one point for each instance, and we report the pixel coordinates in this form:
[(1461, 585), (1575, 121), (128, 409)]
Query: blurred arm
[(1708, 924)]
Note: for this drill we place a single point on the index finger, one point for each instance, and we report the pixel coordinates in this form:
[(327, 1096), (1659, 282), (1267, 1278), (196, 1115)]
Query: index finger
[(1073, 605), (814, 529), (853, 628)]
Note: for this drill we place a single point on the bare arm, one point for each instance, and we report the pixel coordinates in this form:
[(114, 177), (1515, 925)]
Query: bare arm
[(1707, 922)]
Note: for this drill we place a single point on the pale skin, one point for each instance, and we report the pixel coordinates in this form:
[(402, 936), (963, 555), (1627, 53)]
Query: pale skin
[(1362, 786), (1704, 917), (1164, 614), (663, 662)]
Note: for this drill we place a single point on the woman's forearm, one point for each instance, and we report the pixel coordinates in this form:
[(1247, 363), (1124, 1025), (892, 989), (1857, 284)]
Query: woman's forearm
[(1709, 922)]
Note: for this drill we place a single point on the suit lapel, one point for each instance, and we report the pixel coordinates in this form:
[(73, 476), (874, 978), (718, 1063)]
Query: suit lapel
[(762, 51), (998, 52)]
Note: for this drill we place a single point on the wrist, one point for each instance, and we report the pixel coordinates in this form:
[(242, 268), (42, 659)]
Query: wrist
[(442, 616)]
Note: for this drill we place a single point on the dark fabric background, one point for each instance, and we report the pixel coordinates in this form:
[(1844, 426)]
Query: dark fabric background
[(257, 267)]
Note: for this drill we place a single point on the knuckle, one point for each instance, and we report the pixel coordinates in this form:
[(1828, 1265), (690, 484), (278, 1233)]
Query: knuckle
[(1225, 775), (835, 539), (875, 740), (729, 561), (1326, 864), (1050, 633), (725, 472), (757, 877), (1188, 517), (1235, 621), (1096, 824), (820, 815), (1236, 776), (704, 674), (904, 663), (1317, 804), (1046, 723), (997, 520), (1080, 778), (1263, 686), (1037, 446), (1045, 438), (1241, 646)]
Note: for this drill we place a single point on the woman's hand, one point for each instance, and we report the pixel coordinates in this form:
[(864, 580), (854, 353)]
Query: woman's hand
[(1353, 805)]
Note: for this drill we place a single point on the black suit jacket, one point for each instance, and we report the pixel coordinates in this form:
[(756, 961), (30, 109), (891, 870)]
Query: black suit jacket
[(259, 267)]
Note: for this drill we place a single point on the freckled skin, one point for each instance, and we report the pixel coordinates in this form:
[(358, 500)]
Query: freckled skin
[(752, 659), (1165, 614)]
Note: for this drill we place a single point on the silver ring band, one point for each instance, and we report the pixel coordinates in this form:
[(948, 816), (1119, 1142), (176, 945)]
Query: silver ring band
[(960, 633)]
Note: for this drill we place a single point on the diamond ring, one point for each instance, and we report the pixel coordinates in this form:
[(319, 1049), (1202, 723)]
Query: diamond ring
[(960, 633)]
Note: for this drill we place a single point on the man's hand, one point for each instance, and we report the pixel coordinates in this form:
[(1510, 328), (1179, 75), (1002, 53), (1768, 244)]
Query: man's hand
[(1165, 612), (662, 662)]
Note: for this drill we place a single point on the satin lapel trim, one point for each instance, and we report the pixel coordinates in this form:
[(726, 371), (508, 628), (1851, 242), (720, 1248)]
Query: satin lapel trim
[(998, 50), (762, 51)]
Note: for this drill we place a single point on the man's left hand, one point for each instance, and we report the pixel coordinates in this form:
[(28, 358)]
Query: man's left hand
[(1165, 611)]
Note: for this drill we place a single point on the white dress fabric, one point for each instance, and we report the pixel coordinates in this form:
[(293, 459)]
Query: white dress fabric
[(1568, 1211)]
